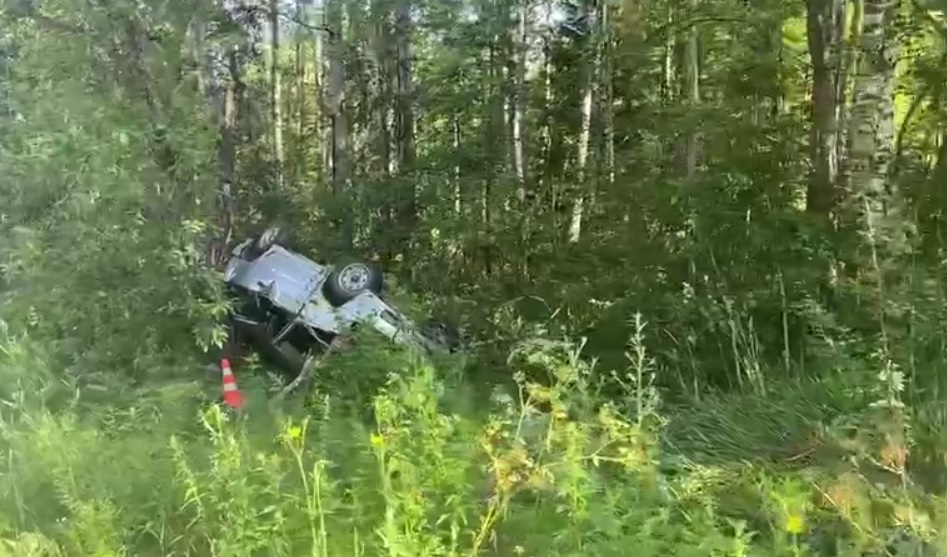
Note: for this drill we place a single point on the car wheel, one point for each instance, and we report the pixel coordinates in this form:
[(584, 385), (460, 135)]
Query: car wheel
[(272, 236), (350, 279)]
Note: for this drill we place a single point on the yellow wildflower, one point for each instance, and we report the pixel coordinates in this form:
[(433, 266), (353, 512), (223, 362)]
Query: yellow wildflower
[(795, 523), (376, 440)]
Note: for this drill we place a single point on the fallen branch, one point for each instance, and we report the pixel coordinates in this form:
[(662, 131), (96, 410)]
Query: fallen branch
[(309, 367)]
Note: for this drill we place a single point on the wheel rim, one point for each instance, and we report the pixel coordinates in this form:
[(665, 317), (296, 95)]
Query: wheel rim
[(354, 277)]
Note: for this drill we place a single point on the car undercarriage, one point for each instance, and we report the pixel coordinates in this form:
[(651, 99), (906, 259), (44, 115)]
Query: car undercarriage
[(291, 308)]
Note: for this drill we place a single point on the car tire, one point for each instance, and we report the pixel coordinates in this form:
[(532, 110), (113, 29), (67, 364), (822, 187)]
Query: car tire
[(349, 279), (272, 236)]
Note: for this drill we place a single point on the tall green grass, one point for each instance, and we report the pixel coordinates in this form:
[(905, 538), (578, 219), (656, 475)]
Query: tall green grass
[(410, 462)]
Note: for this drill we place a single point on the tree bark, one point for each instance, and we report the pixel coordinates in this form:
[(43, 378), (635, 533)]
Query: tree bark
[(692, 94), (824, 18), (404, 125), (338, 127), (583, 183), (874, 203), (518, 101), (227, 159), (276, 93), (608, 100)]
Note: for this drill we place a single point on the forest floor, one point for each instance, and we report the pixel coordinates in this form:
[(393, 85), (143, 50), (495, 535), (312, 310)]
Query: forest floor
[(391, 455)]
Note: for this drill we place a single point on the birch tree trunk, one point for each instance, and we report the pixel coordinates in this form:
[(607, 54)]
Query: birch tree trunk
[(546, 182), (519, 101), (608, 100), (668, 71), (582, 158), (276, 93), (455, 144), (300, 88), (872, 132), (585, 130), (323, 122)]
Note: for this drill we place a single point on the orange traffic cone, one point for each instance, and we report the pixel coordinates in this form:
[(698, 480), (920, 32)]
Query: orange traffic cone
[(232, 395)]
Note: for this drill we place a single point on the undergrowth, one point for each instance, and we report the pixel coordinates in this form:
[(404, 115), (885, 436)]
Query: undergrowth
[(435, 469)]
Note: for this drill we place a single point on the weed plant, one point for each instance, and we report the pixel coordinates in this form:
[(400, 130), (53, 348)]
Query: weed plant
[(435, 469)]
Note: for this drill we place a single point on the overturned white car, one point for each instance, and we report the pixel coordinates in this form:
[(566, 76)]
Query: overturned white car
[(290, 307)]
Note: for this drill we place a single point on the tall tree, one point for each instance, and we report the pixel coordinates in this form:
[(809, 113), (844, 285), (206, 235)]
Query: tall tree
[(276, 95), (692, 93), (590, 73), (404, 128), (519, 96), (337, 119), (873, 131), (825, 24)]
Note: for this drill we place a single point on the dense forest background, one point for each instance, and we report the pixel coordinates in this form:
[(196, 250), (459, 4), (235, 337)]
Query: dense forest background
[(739, 206)]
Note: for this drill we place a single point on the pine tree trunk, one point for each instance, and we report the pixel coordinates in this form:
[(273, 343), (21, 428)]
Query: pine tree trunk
[(339, 140), (226, 158), (383, 102), (692, 93), (404, 125), (823, 20)]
